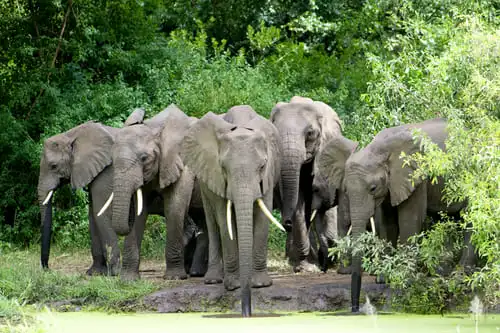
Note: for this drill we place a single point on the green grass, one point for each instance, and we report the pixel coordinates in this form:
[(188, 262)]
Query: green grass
[(22, 279), (313, 322)]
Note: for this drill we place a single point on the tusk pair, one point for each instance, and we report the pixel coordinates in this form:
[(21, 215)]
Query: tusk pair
[(372, 222), (313, 215), (47, 198), (110, 199), (262, 207), (106, 205)]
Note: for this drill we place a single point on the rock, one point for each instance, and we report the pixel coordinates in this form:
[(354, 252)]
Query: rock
[(299, 292)]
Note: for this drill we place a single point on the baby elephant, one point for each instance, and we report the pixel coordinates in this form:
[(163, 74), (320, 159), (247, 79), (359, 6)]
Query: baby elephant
[(236, 157)]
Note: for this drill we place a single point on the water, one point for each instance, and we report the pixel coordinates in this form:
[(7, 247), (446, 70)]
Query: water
[(370, 310), (477, 309)]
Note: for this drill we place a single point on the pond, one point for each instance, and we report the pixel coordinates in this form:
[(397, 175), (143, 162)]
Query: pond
[(95, 322)]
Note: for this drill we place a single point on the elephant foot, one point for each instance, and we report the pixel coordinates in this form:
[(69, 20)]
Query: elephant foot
[(261, 280), (231, 281), (214, 275), (130, 276), (305, 266), (95, 270), (344, 270), (175, 274)]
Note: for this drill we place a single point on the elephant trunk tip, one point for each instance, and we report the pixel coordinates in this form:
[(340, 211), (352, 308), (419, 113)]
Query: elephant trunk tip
[(246, 302), (121, 230)]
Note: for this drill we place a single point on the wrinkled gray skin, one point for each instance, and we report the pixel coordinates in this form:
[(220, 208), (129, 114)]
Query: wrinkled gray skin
[(81, 156), (146, 156), (236, 157), (304, 126), (375, 176)]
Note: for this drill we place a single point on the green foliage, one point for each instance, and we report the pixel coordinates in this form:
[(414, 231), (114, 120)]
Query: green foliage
[(414, 270)]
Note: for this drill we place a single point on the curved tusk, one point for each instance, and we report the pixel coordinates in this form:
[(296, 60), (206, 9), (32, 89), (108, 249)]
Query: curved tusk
[(229, 219), (313, 215), (372, 222), (350, 230), (106, 204), (139, 201), (47, 198), (268, 214)]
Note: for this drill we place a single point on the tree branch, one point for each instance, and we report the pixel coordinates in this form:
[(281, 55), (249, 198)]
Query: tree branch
[(53, 63)]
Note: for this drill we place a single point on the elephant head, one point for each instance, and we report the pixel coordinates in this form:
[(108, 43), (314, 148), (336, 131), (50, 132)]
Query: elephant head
[(305, 126), (239, 163), (76, 156), (145, 153), (373, 173)]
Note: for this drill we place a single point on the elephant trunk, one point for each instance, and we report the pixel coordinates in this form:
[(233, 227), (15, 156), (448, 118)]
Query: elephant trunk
[(293, 159), (46, 187), (361, 211), (125, 186), (244, 204), (46, 213)]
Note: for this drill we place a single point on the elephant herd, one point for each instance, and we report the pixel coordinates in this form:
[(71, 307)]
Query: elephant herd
[(216, 180)]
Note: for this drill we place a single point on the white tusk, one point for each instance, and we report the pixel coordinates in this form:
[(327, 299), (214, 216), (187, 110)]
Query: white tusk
[(268, 214), (139, 201), (229, 219), (350, 230), (372, 222), (313, 215), (106, 205), (47, 198)]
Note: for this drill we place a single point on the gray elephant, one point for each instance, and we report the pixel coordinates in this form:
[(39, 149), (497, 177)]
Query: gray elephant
[(81, 157), (147, 164), (237, 159), (305, 126), (376, 177)]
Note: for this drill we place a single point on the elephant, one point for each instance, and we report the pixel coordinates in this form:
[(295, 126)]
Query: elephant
[(80, 156), (146, 162), (236, 157), (304, 126), (375, 177)]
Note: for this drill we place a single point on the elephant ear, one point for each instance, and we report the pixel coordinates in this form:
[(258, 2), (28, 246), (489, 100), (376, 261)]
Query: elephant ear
[(136, 117), (400, 183), (329, 121), (91, 146), (272, 169), (332, 158), (175, 127), (200, 151)]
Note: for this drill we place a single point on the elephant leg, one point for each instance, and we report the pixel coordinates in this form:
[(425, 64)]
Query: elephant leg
[(98, 266), (132, 249), (319, 226), (230, 253), (301, 244), (200, 255), (214, 272), (176, 202), (260, 276), (343, 224), (386, 224)]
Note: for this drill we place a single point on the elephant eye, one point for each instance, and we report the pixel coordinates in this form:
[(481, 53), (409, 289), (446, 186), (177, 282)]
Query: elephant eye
[(373, 187), (144, 157), (53, 166)]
